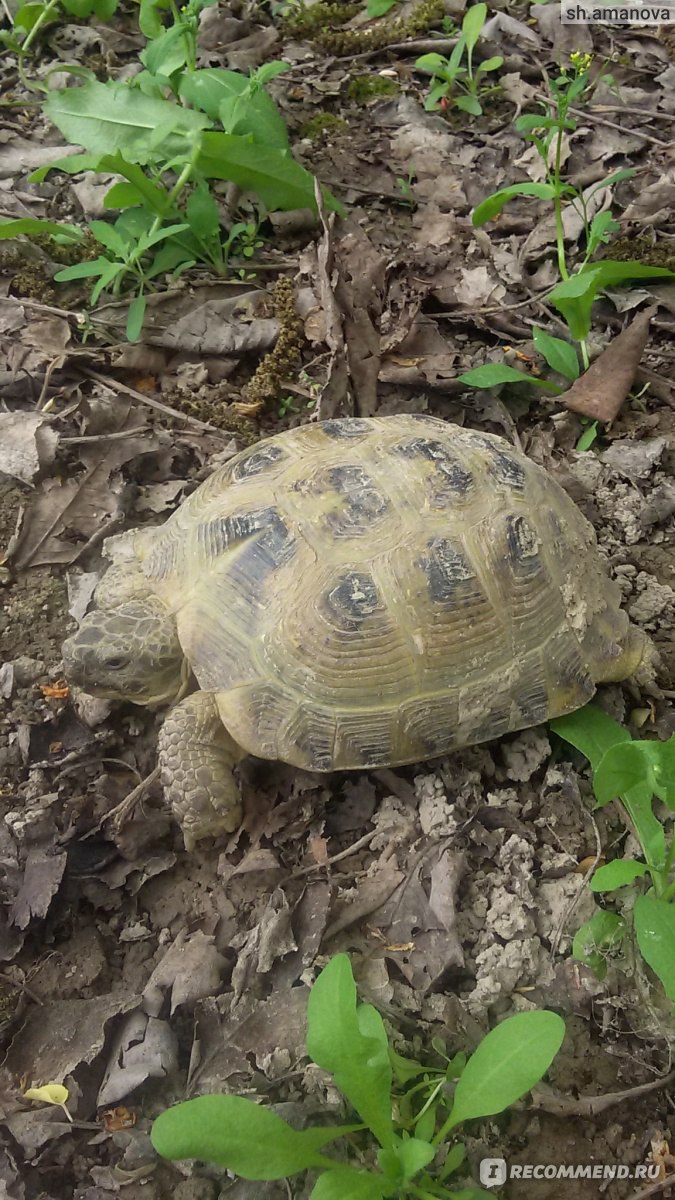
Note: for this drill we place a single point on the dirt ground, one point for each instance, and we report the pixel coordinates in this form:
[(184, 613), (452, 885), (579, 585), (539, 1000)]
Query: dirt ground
[(136, 973)]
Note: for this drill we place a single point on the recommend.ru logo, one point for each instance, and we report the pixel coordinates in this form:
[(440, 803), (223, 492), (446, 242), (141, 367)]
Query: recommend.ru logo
[(496, 1171)]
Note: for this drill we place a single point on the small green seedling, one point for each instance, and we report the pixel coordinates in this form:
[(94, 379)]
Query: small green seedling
[(633, 772), (577, 291), (588, 436), (169, 132), (457, 74), (405, 1146), (289, 404), (405, 188)]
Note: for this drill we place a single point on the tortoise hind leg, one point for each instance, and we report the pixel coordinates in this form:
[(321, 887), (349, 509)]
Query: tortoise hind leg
[(197, 757), (619, 650)]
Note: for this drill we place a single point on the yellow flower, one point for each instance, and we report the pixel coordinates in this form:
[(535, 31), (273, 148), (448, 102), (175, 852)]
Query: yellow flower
[(580, 61), (50, 1093)]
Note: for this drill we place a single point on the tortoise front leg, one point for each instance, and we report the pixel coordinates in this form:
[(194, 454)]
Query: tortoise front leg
[(196, 758)]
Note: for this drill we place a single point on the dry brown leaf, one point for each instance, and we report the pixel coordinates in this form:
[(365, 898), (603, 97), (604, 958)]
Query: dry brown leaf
[(423, 359), (57, 1038), (21, 155), (423, 918), (309, 924), (41, 882), (143, 1048), (600, 392), (333, 400), (635, 459), (190, 969), (654, 202), (359, 292), (65, 513), (219, 327), (223, 1045), (269, 940), (83, 504), (27, 444)]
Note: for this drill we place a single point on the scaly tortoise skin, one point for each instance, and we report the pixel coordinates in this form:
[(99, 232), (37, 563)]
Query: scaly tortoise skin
[(354, 593)]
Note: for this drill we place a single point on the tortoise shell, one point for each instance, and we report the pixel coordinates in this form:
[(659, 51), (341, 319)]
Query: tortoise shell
[(377, 591)]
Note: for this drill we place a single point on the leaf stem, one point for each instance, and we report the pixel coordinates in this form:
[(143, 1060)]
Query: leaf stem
[(46, 13), (669, 889), (443, 1131), (186, 25), (430, 1099), (557, 204), (181, 182)]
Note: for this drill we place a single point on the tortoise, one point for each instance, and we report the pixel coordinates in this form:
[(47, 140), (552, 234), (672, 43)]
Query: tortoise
[(354, 593)]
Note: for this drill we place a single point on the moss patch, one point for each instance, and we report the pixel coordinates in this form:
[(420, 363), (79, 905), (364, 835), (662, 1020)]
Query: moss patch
[(367, 87), (322, 24), (323, 122), (641, 249)]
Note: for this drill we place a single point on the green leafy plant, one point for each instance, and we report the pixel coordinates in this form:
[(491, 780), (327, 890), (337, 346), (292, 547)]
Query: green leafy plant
[(456, 80), (379, 8), (560, 356), (577, 291), (31, 18), (634, 773), (169, 132), (408, 1134)]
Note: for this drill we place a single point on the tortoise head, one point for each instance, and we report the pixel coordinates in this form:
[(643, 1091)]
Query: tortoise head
[(128, 652)]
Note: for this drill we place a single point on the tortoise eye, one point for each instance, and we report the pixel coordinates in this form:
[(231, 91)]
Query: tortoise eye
[(115, 662)]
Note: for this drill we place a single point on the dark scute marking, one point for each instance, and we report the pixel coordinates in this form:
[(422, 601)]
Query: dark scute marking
[(319, 756), (277, 542), (312, 733), (372, 755), (354, 598), (437, 741), (434, 425), (363, 503), (522, 545), (422, 447), (566, 666), (347, 427), (257, 462), (454, 475), (508, 470), (446, 569), (321, 760), (270, 541), (532, 702), (505, 467), (494, 725)]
